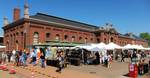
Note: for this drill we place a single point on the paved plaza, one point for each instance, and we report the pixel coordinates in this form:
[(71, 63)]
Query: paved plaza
[(74, 39), (117, 70)]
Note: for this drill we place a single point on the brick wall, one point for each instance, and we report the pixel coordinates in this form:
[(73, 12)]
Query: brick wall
[(17, 37)]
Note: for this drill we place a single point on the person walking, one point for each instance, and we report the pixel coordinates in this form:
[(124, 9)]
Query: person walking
[(33, 57), (106, 60), (42, 57), (109, 61), (28, 56), (9, 54), (97, 58), (122, 57), (134, 56), (85, 56), (48, 56), (24, 55), (20, 57), (60, 62), (4, 57), (103, 59), (13, 57), (38, 52), (16, 58)]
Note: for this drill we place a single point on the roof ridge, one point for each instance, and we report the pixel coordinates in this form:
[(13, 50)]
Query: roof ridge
[(39, 13)]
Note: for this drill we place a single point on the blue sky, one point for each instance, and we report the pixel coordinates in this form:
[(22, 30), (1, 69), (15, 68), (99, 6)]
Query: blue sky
[(126, 15)]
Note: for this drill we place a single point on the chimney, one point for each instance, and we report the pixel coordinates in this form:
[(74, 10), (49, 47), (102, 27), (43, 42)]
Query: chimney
[(5, 20), (16, 14)]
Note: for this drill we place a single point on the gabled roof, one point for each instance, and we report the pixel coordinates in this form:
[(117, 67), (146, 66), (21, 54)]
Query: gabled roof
[(131, 35), (122, 35), (50, 18)]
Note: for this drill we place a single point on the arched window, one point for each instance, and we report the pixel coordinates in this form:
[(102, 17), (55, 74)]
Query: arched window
[(7, 44), (105, 41), (57, 36), (36, 37), (17, 44), (21, 33), (98, 40), (48, 35), (86, 40), (111, 39), (91, 39), (16, 41), (17, 33), (65, 37), (73, 38), (80, 38)]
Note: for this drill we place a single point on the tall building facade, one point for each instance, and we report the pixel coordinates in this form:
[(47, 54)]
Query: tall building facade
[(42, 28)]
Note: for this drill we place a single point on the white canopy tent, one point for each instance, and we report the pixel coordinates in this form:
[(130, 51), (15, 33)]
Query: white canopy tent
[(141, 47), (95, 49), (147, 48), (2, 46), (88, 47), (100, 45), (135, 46), (112, 46), (129, 46)]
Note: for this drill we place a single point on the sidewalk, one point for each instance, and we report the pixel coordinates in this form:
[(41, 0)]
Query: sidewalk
[(49, 72), (117, 70), (5, 74)]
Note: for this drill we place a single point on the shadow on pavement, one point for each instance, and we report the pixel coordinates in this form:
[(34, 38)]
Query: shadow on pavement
[(126, 75)]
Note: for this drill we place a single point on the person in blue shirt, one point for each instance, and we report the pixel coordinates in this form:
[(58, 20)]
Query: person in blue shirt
[(48, 54), (33, 57), (24, 58)]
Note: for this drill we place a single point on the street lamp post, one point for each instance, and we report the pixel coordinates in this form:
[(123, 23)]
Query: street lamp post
[(25, 31)]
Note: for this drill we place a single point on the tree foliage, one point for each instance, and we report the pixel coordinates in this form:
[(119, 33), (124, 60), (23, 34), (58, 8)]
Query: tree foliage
[(145, 35)]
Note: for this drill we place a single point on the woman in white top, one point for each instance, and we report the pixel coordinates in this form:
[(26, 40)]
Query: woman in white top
[(4, 56), (13, 56)]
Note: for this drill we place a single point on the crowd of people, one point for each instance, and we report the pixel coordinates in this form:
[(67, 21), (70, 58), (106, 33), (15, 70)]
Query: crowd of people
[(135, 56), (36, 56), (39, 56), (97, 58)]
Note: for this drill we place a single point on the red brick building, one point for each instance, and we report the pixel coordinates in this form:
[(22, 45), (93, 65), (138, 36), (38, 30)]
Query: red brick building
[(1, 44), (42, 28)]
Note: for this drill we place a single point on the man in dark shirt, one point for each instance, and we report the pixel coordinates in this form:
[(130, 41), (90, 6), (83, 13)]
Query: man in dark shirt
[(122, 56), (9, 55), (42, 57), (97, 58)]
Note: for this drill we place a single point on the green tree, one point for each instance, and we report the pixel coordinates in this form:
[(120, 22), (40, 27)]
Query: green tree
[(146, 36)]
